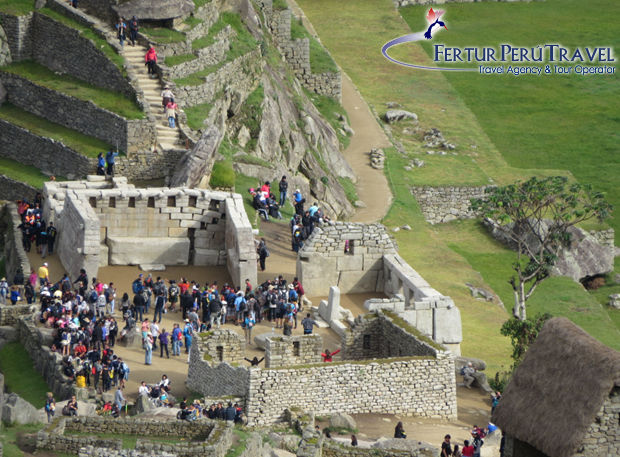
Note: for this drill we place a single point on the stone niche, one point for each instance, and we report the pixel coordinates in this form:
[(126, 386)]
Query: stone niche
[(113, 223)]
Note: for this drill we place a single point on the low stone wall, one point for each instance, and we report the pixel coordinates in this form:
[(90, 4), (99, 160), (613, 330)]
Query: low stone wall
[(16, 259), (241, 72), (603, 434), (152, 164), (80, 115), (49, 155), (45, 361), (445, 204), (222, 346), (11, 189), (10, 314), (214, 379), (421, 386), (293, 350), (202, 438), (17, 30), (357, 270), (210, 55), (334, 449), (401, 3)]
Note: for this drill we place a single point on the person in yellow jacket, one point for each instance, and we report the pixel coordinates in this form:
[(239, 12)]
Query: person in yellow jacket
[(44, 274)]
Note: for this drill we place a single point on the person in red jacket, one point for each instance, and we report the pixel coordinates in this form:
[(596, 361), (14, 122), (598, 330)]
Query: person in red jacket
[(150, 59), (327, 356)]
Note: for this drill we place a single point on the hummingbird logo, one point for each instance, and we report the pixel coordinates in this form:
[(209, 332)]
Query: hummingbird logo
[(433, 19)]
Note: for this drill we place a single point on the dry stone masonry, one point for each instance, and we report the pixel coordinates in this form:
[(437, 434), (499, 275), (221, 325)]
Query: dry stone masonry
[(113, 223), (445, 204), (293, 350), (16, 259)]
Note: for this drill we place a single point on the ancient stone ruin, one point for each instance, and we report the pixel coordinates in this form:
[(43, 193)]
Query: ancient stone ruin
[(114, 223)]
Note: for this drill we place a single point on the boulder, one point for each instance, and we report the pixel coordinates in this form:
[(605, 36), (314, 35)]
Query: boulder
[(478, 292), (614, 301), (396, 115), (155, 9), (199, 161), (585, 256), (143, 404), (414, 447), (342, 420), (16, 410)]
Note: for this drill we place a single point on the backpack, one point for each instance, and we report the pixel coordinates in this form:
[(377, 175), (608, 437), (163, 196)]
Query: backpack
[(136, 286), (93, 296), (174, 290)]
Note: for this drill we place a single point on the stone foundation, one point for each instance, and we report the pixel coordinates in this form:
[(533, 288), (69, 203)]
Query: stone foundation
[(445, 204)]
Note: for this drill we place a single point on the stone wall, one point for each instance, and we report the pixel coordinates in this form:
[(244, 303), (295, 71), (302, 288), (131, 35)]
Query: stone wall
[(16, 259), (603, 435), (10, 314), (102, 222), (11, 189), (17, 31), (214, 379), (239, 73), (222, 346), (37, 343), (421, 386), (101, 8), (335, 449), (445, 204), (80, 115), (401, 3), (210, 55), (50, 156), (293, 350), (356, 271), (148, 164), (240, 249), (202, 438)]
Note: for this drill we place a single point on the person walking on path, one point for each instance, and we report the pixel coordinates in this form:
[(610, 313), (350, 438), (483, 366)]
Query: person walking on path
[(248, 325), (166, 97), (163, 343), (121, 31), (52, 233), (50, 406), (100, 164), (148, 349), (150, 60), (43, 274), (308, 323), (177, 336), (133, 30), (110, 162), (446, 447), (188, 333), (262, 252), (171, 112)]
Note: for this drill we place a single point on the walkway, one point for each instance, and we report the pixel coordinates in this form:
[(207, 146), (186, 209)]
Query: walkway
[(167, 138)]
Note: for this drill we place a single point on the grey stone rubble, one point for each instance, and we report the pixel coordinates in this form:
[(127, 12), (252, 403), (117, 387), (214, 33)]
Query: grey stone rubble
[(434, 139), (479, 292), (396, 115), (377, 158), (156, 226), (614, 301)]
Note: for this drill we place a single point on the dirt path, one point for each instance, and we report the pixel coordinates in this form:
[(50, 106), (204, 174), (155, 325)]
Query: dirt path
[(372, 185)]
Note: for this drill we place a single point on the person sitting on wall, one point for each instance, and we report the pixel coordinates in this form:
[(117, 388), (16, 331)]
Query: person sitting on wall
[(327, 356), (254, 362)]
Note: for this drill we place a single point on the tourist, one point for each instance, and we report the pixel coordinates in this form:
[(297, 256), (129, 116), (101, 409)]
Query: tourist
[(308, 323), (171, 112), (139, 303), (163, 343), (328, 356), (133, 30), (283, 187), (100, 164), (262, 252), (155, 334), (215, 311), (71, 408), (287, 326), (249, 324), (446, 447), (478, 434), (468, 375), (110, 160), (121, 29), (43, 274), (4, 290), (148, 349), (150, 60), (495, 400), (52, 233), (468, 449), (177, 337), (456, 452), (353, 440), (230, 412), (188, 333), (50, 406), (110, 298), (119, 398), (164, 384), (166, 97), (173, 294), (255, 361), (399, 431)]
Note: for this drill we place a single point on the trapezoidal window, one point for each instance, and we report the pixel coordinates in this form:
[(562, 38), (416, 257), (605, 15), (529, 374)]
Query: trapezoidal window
[(192, 202), (220, 353), (150, 203), (112, 202), (132, 202), (295, 348), (172, 202), (366, 342), (93, 202)]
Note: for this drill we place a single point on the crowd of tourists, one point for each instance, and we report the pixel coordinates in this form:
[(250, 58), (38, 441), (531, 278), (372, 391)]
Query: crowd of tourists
[(216, 411)]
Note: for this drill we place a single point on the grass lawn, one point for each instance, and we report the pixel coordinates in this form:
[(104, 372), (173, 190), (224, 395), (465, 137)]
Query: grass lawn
[(68, 85), (79, 142), (20, 376), (197, 114), (16, 7), (11, 434), (541, 121), (163, 35), (24, 173), (171, 61)]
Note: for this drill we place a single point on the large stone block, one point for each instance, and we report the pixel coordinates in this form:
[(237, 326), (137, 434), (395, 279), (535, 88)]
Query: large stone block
[(447, 325), (357, 281), (350, 263), (206, 256), (134, 250), (424, 321)]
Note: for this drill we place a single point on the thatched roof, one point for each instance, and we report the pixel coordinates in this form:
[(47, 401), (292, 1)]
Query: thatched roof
[(558, 389)]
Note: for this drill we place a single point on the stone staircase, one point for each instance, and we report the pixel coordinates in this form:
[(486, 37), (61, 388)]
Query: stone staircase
[(167, 138)]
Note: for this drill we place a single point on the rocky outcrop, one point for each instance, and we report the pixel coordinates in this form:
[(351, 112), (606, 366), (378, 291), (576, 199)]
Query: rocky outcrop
[(16, 410), (199, 161), (5, 52), (584, 256), (396, 115), (155, 9)]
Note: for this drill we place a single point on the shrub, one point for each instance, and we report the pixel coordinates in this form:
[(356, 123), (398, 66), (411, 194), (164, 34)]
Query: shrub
[(222, 174)]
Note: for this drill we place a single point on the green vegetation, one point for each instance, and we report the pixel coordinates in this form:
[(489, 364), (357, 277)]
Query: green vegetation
[(320, 60), (253, 160), (107, 99), (349, 189), (20, 376), (86, 145), (200, 3), (333, 112), (192, 21), (171, 61), (163, 35), (222, 174), (575, 121), (11, 435), (197, 114), (16, 7), (24, 173), (251, 113), (99, 42), (242, 184), (240, 437), (279, 5), (240, 45)]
